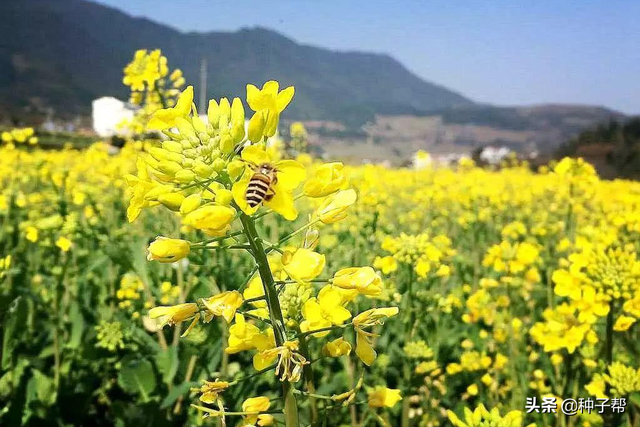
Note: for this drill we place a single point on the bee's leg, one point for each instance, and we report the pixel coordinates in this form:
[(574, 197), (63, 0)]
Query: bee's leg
[(269, 195)]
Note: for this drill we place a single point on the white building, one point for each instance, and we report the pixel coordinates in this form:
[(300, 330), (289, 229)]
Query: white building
[(494, 155), (107, 113)]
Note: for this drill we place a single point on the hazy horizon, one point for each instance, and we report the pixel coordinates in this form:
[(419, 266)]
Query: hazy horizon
[(502, 52)]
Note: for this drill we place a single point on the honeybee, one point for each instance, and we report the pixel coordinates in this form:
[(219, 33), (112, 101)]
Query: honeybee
[(261, 184)]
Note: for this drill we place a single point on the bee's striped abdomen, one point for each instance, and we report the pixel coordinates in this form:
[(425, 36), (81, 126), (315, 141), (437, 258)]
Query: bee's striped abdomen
[(258, 188)]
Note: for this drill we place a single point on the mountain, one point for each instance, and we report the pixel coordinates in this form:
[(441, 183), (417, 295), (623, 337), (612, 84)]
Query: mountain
[(64, 53), (463, 130)]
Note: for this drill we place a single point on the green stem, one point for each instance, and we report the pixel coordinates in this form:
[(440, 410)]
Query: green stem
[(308, 377), (284, 282), (609, 336), (275, 312), (218, 239), (298, 231), (224, 365), (245, 247), (302, 335), (610, 418), (187, 378), (255, 374), (406, 369), (314, 395)]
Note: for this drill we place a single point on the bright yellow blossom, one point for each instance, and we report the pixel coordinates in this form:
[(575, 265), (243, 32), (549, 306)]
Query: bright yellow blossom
[(328, 179), (224, 304), (268, 103), (64, 244), (336, 348), (212, 219), (303, 265), (334, 207), (381, 397), (289, 176), (166, 118), (324, 311), (167, 250)]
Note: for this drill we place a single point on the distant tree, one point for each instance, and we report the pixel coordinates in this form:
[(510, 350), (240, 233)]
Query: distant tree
[(622, 137)]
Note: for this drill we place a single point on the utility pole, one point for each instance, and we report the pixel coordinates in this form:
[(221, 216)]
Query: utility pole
[(203, 86)]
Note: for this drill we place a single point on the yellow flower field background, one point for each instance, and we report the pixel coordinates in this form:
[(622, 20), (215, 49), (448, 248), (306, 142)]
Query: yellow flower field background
[(143, 286)]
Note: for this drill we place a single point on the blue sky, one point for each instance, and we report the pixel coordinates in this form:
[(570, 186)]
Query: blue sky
[(506, 52)]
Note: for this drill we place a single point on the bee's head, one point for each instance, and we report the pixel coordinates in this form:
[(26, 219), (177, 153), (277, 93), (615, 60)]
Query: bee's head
[(266, 168)]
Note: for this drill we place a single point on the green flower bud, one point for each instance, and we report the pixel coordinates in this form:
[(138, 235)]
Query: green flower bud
[(235, 169), (191, 153), (256, 127), (224, 197), (171, 200), (219, 164), (160, 154), (237, 133), (226, 143), (173, 146), (168, 167), (185, 128), (203, 170), (187, 163), (225, 113), (185, 176), (190, 204), (213, 114), (237, 112), (198, 125), (205, 150)]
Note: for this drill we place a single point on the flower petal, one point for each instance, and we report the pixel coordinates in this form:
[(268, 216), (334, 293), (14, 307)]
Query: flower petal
[(290, 174), (239, 191), (282, 202), (255, 154), (284, 98)]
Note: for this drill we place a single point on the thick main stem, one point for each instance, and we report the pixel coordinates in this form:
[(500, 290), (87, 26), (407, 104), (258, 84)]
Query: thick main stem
[(610, 418), (609, 336), (308, 377), (406, 422), (275, 312)]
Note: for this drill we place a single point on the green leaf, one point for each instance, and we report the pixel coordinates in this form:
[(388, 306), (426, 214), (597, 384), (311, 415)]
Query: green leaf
[(167, 363), (45, 388), (5, 384), (41, 392), (137, 377), (176, 392), (16, 318), (77, 326), (635, 398)]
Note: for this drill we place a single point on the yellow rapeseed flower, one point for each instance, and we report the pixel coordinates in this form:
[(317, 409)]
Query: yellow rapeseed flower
[(363, 279), (268, 103), (324, 311), (381, 397), (167, 250), (224, 304)]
